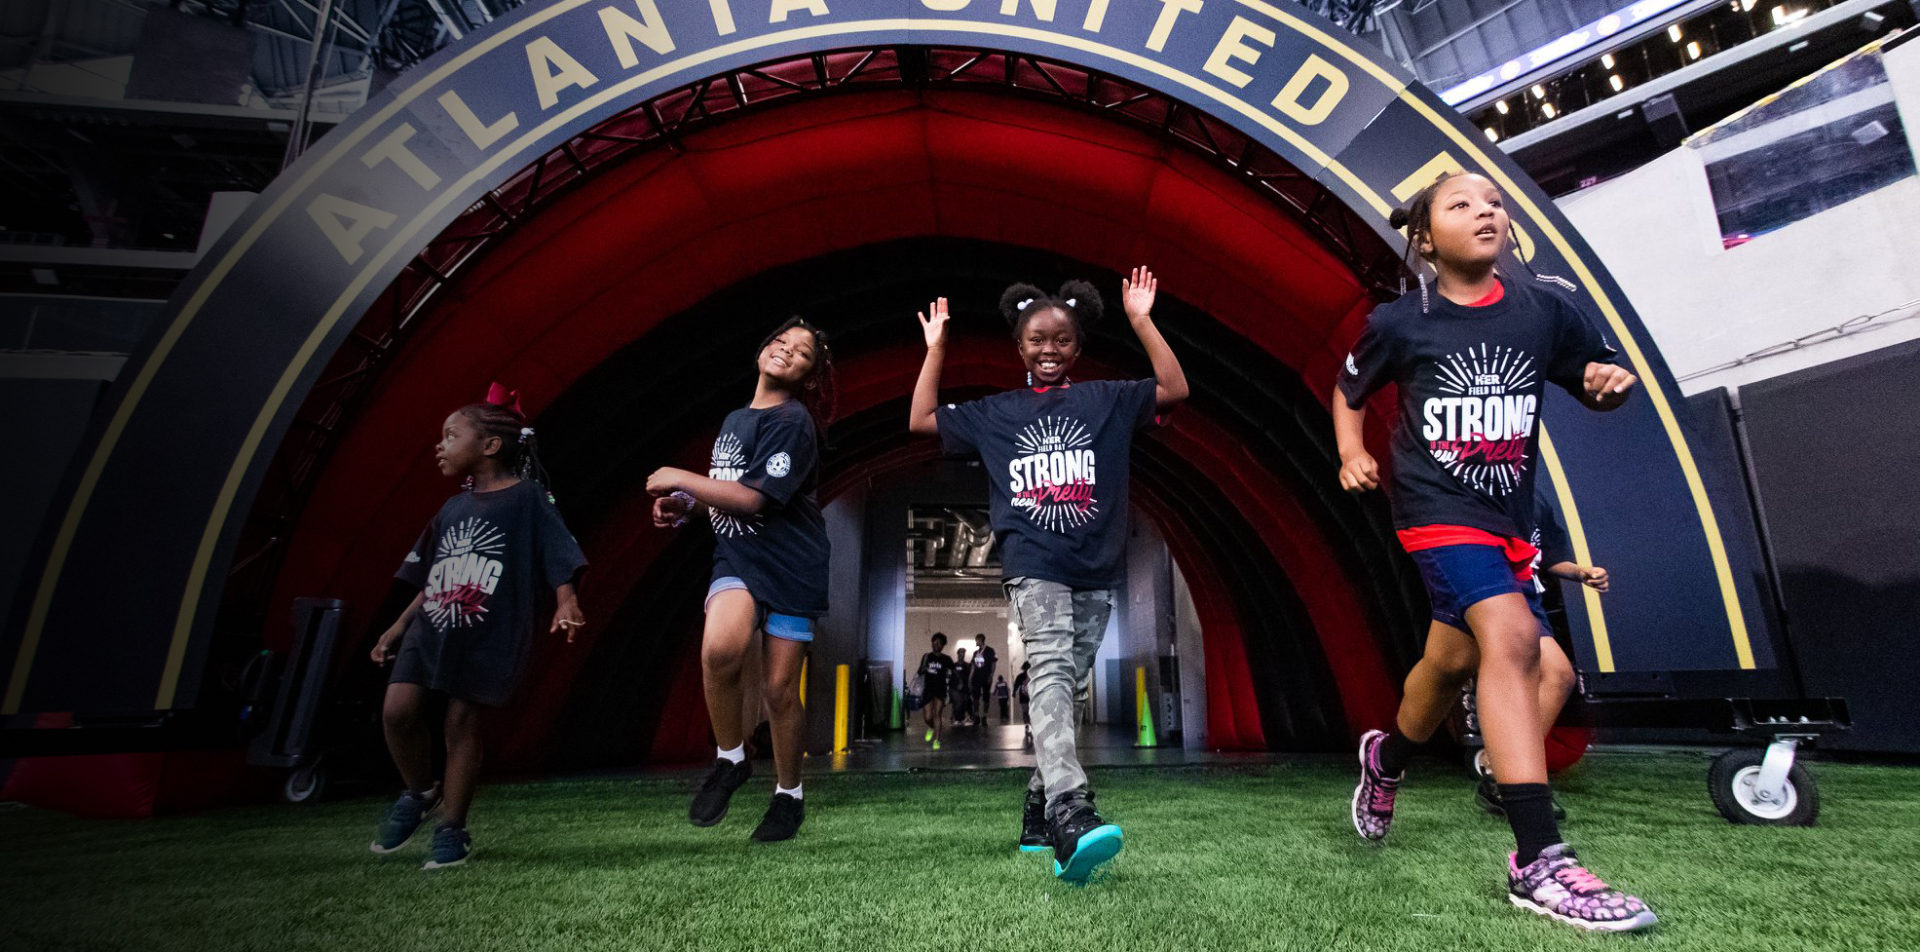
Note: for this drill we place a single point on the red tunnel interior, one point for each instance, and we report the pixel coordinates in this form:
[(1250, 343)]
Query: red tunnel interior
[(627, 312)]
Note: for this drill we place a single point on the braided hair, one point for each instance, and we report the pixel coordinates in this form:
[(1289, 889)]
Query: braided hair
[(519, 450), (819, 392), (1078, 299)]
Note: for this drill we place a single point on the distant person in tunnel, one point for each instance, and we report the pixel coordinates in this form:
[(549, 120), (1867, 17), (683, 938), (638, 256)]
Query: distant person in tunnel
[(1471, 356), (936, 668), (984, 661), (769, 564), (961, 687), (1057, 454), (479, 565), (1002, 694)]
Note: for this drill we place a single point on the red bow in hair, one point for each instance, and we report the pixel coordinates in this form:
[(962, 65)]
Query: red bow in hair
[(500, 396)]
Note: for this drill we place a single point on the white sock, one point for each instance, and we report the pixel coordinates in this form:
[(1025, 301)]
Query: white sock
[(737, 755), (794, 792)]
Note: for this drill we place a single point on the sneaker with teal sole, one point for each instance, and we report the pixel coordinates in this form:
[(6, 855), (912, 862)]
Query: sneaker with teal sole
[(1082, 841), (451, 846), (1034, 837)]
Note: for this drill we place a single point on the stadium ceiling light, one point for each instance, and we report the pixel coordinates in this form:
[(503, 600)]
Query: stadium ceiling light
[(1616, 82), (1539, 91), (1492, 136), (1501, 107), (1606, 61), (1673, 32), (1693, 51), (1548, 109)]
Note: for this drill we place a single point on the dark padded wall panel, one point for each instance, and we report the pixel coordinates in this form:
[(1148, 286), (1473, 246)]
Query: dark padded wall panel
[(1835, 449)]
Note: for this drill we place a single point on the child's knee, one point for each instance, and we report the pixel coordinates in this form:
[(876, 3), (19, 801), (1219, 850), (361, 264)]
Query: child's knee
[(782, 698), (1511, 644), (400, 709), (722, 659), (1556, 672), (463, 720)]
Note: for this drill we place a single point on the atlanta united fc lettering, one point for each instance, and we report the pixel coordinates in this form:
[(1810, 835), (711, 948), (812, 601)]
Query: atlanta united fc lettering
[(1053, 479), (1480, 431)]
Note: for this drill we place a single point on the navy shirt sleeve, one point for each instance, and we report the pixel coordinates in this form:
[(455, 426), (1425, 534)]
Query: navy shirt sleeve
[(1555, 547), (1371, 364), (1138, 400), (559, 555), (960, 426), (1577, 343), (419, 561), (784, 453)]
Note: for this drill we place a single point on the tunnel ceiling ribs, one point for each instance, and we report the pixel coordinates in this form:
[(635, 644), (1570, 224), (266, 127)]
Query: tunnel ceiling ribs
[(661, 123)]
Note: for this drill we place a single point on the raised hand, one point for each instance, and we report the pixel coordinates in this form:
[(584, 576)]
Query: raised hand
[(935, 326), (1137, 293)]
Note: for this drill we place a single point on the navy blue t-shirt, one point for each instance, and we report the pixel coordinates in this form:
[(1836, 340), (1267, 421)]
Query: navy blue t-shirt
[(1057, 474), (781, 552), (1471, 381), (482, 563)]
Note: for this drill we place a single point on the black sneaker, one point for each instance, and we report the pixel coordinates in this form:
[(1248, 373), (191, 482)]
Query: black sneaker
[(1082, 842), (1487, 795), (710, 801), (451, 844), (1033, 824), (783, 819), (396, 829)]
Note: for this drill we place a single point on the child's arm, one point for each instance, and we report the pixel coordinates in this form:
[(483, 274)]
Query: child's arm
[(566, 611), (1136, 295), (1358, 470), (722, 494), (389, 643), (1606, 386), (1592, 576), (921, 420)]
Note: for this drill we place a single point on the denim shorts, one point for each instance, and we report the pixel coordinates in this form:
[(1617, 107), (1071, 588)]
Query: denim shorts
[(784, 627), (1460, 576)]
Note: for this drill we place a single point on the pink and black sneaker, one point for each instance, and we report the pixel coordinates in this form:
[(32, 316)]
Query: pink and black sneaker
[(1373, 798), (1558, 887)]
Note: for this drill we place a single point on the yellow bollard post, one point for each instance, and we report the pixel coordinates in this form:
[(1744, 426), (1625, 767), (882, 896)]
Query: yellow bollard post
[(841, 675), (1147, 737)]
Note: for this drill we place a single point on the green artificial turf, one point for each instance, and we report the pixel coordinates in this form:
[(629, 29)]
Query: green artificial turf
[(1249, 858)]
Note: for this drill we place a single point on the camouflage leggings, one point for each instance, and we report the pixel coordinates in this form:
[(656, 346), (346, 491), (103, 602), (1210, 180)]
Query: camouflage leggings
[(1061, 628)]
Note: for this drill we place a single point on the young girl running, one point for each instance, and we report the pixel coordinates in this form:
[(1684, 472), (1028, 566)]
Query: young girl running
[(935, 670), (1471, 356), (769, 564), (1057, 452), (465, 638)]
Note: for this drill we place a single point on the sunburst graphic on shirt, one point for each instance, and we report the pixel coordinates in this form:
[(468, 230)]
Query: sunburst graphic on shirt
[(729, 463), (465, 572), (1479, 429), (1051, 477)]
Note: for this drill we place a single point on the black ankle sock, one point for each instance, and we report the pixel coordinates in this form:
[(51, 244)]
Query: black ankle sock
[(1530, 811), (1395, 751)]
